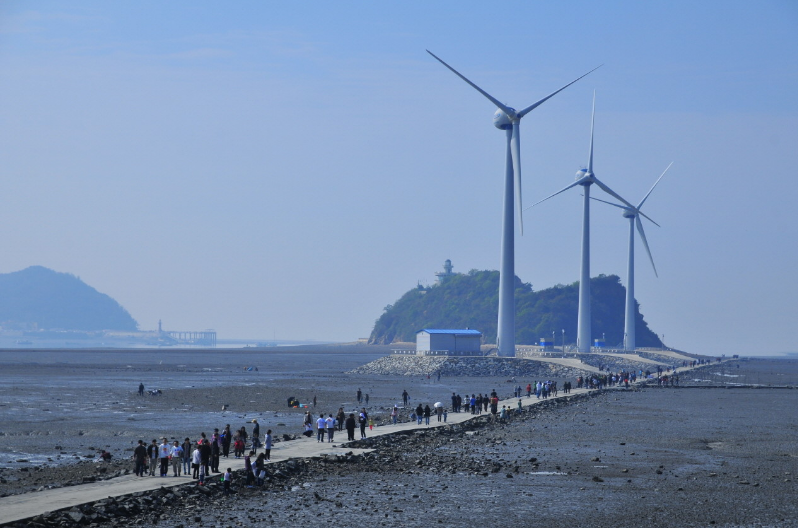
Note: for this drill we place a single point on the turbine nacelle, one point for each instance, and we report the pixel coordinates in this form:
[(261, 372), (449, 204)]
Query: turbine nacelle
[(502, 121)]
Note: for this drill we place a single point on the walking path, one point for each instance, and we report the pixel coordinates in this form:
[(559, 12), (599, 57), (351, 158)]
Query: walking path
[(27, 505), (568, 362)]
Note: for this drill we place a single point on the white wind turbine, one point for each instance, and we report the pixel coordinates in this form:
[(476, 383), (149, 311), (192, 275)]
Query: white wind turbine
[(509, 120), (586, 178), (634, 214)]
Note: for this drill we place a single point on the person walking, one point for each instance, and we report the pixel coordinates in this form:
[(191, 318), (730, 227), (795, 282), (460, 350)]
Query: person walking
[(227, 439), (205, 457), (140, 457), (330, 425), (394, 414), (427, 413), (419, 414), (267, 445), (350, 427), (364, 420), (359, 396), (405, 397), (152, 456), (255, 434), (242, 433), (186, 456), (163, 455), (176, 457), (196, 462), (340, 418), (215, 454), (321, 426)]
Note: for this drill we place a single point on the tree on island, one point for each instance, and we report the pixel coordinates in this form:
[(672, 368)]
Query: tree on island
[(472, 301)]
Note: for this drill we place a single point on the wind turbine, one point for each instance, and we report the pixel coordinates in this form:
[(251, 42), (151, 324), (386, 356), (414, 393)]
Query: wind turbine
[(634, 214), (586, 178), (508, 119)]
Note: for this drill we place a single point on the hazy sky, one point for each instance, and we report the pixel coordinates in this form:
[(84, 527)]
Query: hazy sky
[(289, 169)]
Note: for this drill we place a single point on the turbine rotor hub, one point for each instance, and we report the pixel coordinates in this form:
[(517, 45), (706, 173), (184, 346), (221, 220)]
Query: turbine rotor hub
[(502, 121)]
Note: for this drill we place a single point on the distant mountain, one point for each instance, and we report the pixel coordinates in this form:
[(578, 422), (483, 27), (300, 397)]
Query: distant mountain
[(472, 301), (44, 299)]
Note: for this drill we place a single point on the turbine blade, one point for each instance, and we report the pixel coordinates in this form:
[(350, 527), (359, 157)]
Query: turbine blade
[(503, 108), (647, 218), (555, 194), (652, 187), (531, 107), (645, 243), (515, 149), (611, 192), (609, 203), (592, 122)]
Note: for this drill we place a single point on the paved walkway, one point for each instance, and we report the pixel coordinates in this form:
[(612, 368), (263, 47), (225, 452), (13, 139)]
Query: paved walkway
[(567, 362), (27, 505)]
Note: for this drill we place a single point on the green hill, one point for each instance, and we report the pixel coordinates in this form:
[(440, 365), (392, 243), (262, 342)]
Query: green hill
[(40, 298), (472, 301)]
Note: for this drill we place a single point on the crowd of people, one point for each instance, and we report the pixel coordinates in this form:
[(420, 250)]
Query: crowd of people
[(201, 458)]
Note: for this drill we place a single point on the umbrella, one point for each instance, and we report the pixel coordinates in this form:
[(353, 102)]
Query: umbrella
[(438, 404)]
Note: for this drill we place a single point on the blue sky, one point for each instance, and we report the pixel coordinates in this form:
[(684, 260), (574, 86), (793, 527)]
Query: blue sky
[(269, 168)]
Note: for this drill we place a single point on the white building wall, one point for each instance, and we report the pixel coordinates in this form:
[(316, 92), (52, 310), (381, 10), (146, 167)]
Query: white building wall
[(422, 341)]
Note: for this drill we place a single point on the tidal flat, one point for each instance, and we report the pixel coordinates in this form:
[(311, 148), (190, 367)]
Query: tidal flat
[(650, 456)]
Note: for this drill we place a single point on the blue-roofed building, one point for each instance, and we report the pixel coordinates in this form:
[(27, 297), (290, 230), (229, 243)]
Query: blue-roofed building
[(437, 342)]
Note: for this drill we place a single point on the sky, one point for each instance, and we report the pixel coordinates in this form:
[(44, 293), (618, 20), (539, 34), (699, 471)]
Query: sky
[(286, 170)]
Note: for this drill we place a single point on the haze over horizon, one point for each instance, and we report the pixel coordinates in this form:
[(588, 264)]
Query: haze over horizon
[(272, 170)]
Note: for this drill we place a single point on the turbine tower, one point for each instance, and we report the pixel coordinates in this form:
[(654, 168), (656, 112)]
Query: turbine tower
[(634, 214), (509, 120), (586, 178)]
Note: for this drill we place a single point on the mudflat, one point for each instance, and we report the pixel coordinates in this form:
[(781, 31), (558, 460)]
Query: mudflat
[(699, 455)]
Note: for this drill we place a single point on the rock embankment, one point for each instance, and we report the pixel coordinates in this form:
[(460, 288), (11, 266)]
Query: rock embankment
[(399, 365)]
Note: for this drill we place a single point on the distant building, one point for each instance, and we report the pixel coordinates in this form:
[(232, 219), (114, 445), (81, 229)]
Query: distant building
[(447, 272), (433, 342)]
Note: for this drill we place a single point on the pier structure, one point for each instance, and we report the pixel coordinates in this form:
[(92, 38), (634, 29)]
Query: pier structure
[(205, 338)]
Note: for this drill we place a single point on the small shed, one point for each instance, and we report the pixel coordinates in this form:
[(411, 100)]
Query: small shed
[(431, 341)]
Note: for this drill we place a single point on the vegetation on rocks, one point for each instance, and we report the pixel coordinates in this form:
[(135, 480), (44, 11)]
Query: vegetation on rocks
[(472, 301)]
